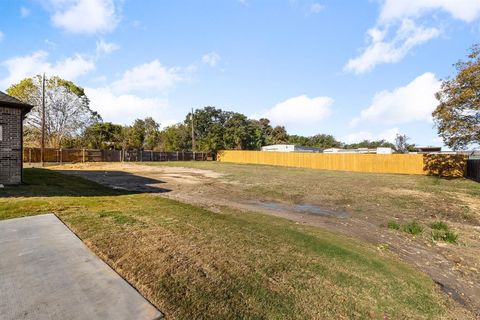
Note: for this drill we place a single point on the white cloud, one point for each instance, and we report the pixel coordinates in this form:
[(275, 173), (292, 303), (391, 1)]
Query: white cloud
[(24, 12), (105, 48), (140, 92), (380, 50), (466, 10), (211, 59), (84, 16), (125, 108), (413, 102), (301, 109), (385, 46), (27, 66), (149, 76), (388, 135), (315, 8)]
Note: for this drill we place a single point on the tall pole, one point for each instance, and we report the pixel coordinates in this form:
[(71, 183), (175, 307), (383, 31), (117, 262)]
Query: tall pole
[(193, 132), (42, 151)]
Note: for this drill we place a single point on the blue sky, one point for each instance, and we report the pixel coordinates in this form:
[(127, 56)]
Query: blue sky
[(363, 69)]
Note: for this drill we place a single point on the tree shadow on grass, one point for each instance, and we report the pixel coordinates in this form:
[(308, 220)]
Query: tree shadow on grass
[(48, 183)]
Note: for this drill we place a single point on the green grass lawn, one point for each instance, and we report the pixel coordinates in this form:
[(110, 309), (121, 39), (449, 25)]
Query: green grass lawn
[(193, 263)]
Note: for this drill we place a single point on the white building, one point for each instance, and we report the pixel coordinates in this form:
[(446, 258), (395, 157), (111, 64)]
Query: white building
[(290, 148), (360, 150)]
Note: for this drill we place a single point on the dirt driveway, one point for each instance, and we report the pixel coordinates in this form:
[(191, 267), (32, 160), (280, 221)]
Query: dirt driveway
[(453, 268)]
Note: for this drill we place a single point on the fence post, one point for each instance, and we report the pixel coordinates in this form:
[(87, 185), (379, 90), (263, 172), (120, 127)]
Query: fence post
[(194, 157), (61, 156), (83, 155), (177, 155), (141, 155), (151, 155)]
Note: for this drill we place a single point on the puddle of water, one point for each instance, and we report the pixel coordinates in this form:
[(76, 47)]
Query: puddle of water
[(452, 293), (302, 208)]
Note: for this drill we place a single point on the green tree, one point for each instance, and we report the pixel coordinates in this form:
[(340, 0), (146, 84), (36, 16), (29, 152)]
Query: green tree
[(263, 132), (103, 135), (324, 141), (135, 134), (457, 116), (152, 134), (176, 138), (67, 110), (76, 142), (216, 129), (298, 140), (239, 133), (279, 135), (209, 128), (370, 144)]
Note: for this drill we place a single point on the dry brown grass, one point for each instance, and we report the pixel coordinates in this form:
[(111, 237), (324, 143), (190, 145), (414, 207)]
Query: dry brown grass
[(196, 264)]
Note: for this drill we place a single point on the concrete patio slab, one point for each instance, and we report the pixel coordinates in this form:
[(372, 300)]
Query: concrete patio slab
[(46, 272)]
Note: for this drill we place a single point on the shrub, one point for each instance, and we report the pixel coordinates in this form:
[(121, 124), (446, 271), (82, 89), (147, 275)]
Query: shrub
[(413, 228), (439, 225), (442, 235), (393, 225)]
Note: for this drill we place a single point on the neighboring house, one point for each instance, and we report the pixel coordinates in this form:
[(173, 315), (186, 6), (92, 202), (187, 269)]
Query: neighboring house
[(380, 150), (290, 148), (12, 113), (428, 149)]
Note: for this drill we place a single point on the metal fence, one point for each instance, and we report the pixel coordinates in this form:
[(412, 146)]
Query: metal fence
[(473, 169), (33, 155)]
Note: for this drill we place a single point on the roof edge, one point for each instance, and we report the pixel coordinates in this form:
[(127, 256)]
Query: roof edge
[(12, 102), (25, 106)]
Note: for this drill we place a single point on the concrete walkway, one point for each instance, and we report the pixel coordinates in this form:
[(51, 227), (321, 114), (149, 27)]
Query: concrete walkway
[(46, 272)]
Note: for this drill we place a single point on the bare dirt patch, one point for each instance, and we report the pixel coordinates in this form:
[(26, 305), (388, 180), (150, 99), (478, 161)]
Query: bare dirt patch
[(455, 267)]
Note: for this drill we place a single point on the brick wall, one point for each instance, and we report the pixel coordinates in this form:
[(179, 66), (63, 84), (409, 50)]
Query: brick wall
[(11, 145)]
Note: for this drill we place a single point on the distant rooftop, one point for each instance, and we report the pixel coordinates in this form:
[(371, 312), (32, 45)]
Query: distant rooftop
[(428, 149), (290, 148)]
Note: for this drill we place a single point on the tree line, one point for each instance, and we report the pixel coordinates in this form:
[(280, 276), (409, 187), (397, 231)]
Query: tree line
[(70, 123)]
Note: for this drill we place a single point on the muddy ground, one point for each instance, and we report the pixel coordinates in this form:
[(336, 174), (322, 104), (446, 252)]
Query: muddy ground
[(455, 268)]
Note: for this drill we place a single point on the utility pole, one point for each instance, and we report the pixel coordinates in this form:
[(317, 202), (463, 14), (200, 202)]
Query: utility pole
[(193, 132), (42, 150)]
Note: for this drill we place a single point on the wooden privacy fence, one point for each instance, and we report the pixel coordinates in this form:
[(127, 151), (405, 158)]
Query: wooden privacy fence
[(427, 164), (33, 155), (473, 169)]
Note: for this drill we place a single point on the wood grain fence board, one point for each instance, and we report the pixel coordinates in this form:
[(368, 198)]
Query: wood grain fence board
[(473, 169), (374, 163), (33, 155)]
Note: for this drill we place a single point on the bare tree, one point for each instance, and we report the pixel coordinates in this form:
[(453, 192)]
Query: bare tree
[(401, 143), (67, 111)]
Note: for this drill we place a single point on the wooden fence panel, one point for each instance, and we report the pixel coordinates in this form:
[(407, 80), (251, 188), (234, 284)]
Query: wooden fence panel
[(473, 169), (33, 155), (445, 165)]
